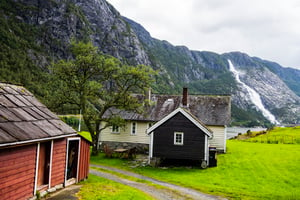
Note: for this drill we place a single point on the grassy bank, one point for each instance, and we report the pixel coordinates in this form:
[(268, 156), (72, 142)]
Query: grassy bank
[(278, 135), (246, 171)]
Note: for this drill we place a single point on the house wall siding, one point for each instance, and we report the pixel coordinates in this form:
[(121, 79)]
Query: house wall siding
[(84, 160), (17, 172), (125, 134), (194, 140), (58, 162), (219, 138)]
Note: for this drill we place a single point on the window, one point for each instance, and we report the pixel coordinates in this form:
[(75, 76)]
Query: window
[(133, 128), (178, 138), (115, 129)]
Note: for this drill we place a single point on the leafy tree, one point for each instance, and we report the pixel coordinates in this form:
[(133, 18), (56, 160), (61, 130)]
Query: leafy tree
[(97, 83)]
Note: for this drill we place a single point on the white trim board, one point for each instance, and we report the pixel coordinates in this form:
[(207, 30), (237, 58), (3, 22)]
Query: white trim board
[(36, 167), (38, 140), (50, 167)]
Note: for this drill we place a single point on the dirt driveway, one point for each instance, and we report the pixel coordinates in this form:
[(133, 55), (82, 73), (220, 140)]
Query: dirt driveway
[(168, 191)]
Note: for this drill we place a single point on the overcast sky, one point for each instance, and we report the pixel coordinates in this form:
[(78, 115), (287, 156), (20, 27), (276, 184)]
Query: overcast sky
[(269, 29)]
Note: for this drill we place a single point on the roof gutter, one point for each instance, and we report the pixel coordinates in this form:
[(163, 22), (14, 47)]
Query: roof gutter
[(37, 140)]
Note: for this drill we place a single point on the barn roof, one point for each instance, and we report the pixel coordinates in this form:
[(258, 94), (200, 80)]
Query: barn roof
[(210, 109), (24, 119)]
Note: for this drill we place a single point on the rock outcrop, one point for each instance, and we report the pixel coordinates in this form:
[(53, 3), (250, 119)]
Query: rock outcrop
[(56, 22)]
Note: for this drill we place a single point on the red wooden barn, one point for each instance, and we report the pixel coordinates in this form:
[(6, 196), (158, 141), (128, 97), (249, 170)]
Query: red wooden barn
[(38, 152)]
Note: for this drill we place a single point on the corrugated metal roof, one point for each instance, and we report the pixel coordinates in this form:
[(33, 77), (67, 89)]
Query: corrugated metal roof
[(211, 110), (23, 118)]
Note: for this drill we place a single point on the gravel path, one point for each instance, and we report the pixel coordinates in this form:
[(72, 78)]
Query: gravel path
[(170, 191)]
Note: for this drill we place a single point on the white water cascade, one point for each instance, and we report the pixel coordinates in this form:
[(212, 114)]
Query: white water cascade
[(254, 96)]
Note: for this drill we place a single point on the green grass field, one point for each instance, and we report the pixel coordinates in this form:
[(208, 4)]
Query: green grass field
[(96, 188), (246, 171), (278, 135)]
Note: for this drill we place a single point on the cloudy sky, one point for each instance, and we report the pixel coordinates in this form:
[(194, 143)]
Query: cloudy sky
[(269, 29)]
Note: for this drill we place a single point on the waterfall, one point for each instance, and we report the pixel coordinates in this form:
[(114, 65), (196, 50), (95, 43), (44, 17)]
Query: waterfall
[(254, 96)]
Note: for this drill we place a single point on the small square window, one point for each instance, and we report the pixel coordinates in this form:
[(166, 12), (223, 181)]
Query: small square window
[(178, 138), (115, 129)]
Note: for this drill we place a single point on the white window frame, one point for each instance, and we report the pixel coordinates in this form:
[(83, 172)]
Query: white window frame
[(175, 137), (133, 128), (115, 129)]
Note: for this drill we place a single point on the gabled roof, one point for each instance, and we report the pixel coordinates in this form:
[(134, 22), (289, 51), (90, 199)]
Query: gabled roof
[(188, 115), (211, 110), (24, 119)]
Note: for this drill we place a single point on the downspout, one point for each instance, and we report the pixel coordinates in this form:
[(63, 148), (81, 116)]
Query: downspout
[(225, 138), (150, 147), (206, 150)]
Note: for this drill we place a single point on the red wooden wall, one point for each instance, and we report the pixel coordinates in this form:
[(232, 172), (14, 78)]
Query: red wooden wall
[(58, 162), (17, 172), (84, 160), (17, 168)]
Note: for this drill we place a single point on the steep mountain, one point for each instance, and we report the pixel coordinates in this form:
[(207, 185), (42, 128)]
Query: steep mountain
[(289, 75), (33, 33), (208, 72)]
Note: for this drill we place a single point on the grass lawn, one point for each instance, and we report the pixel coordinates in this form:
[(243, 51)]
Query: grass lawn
[(86, 135), (284, 135), (99, 188), (246, 171)]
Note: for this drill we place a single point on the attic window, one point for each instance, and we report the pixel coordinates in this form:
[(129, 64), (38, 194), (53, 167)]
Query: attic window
[(178, 138)]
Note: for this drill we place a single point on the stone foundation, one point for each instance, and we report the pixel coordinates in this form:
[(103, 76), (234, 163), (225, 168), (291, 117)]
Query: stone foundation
[(141, 148), (155, 161)]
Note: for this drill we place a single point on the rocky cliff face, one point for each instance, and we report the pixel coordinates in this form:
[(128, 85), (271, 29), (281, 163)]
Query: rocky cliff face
[(60, 21), (275, 94), (56, 22)]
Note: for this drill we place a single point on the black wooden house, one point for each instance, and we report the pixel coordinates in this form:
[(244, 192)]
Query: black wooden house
[(181, 136)]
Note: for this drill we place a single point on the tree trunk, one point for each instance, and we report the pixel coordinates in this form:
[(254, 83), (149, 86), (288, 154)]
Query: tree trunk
[(95, 149)]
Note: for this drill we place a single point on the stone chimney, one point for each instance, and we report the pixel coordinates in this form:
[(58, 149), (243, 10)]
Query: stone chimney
[(185, 97)]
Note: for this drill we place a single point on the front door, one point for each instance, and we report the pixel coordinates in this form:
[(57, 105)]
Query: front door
[(44, 164), (72, 161)]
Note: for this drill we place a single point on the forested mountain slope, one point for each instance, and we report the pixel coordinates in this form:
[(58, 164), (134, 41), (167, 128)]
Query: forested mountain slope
[(34, 33)]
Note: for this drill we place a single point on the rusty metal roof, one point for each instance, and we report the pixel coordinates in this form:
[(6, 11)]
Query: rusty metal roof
[(209, 109), (23, 118)]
